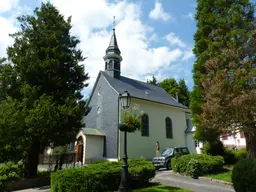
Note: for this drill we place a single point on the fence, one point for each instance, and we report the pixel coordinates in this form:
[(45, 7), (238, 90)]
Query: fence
[(59, 161)]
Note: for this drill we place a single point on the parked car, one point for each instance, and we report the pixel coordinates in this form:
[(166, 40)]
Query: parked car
[(164, 160)]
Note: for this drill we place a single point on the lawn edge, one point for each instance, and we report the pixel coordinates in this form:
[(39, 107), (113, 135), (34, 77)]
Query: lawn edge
[(215, 180), (205, 179)]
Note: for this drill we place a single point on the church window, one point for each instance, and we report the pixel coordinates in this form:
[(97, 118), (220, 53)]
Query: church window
[(99, 91), (98, 110), (168, 127), (145, 125)]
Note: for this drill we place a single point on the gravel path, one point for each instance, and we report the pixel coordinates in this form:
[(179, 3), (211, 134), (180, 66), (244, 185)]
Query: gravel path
[(195, 185)]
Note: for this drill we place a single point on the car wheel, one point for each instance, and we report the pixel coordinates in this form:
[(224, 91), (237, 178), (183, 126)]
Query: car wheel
[(168, 165)]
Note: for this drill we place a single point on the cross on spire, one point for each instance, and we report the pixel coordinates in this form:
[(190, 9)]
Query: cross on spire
[(114, 22)]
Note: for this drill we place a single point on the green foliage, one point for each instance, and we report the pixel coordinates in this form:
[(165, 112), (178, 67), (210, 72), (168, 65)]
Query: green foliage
[(161, 188), (10, 172), (229, 157), (207, 164), (194, 168), (224, 53), (153, 81), (40, 89), (214, 148), (59, 149), (243, 175), (241, 154), (132, 120), (103, 176), (172, 87)]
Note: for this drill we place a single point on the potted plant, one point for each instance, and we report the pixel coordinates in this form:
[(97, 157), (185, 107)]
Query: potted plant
[(131, 121)]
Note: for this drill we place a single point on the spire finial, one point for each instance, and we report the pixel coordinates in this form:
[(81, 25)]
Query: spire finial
[(114, 22)]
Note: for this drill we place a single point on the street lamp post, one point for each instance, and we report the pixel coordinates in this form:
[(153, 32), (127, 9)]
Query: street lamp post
[(124, 183)]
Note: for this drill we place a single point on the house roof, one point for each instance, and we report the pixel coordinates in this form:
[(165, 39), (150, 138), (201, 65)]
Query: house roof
[(92, 131), (142, 90), (190, 127)]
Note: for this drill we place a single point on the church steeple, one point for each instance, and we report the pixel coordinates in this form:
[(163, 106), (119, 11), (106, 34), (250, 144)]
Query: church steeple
[(113, 58)]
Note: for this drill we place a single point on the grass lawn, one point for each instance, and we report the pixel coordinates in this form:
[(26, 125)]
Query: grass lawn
[(161, 188), (224, 175)]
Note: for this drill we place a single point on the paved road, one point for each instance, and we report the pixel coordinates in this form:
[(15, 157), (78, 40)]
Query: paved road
[(38, 189), (195, 185)]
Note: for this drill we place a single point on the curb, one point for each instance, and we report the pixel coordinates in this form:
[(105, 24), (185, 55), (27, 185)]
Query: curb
[(204, 179), (215, 180)]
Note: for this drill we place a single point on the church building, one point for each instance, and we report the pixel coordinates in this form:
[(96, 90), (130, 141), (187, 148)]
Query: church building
[(165, 119)]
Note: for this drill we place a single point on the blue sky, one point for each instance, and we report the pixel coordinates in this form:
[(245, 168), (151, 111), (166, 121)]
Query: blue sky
[(154, 36)]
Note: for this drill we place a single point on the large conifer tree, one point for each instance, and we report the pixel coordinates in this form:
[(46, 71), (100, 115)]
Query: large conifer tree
[(41, 86), (223, 97)]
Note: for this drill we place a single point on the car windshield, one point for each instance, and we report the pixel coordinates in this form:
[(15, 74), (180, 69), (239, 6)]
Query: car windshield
[(167, 152)]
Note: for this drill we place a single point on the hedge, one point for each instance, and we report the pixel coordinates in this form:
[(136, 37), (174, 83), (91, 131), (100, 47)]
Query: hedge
[(231, 156), (103, 176), (197, 164), (243, 175), (10, 172)]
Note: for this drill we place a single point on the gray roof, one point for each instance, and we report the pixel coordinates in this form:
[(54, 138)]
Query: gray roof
[(142, 90), (190, 127), (92, 131), (113, 46)]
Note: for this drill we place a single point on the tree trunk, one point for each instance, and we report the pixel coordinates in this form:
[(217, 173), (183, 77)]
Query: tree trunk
[(32, 161), (250, 136)]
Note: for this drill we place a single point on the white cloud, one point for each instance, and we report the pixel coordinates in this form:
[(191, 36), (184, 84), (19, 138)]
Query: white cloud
[(158, 13), (7, 27), (175, 40), (7, 5), (92, 24), (188, 54), (190, 15)]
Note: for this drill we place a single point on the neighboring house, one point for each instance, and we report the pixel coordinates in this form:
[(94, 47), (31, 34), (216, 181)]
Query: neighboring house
[(165, 119), (194, 146), (237, 140)]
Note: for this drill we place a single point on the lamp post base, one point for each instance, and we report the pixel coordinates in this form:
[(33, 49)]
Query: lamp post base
[(124, 183)]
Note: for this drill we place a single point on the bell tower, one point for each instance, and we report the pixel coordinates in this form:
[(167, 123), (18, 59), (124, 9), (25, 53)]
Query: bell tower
[(113, 57)]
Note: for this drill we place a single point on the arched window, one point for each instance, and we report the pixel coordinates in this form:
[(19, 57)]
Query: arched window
[(145, 125), (168, 127)]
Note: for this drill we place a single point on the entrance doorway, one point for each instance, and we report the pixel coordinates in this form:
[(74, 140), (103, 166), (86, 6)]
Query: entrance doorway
[(79, 149)]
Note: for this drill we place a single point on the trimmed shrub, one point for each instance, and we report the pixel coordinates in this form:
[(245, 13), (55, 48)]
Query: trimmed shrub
[(208, 164), (230, 157), (194, 168), (214, 148), (10, 172), (243, 175), (103, 176), (240, 154)]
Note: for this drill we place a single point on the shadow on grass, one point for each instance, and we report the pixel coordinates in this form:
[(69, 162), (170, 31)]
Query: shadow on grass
[(221, 170), (156, 187)]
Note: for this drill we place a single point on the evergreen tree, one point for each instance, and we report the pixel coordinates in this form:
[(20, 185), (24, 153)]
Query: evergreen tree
[(183, 93), (153, 81), (41, 85), (222, 98)]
